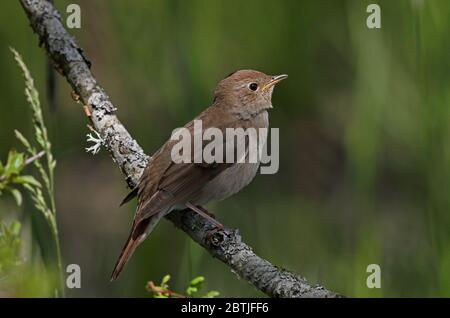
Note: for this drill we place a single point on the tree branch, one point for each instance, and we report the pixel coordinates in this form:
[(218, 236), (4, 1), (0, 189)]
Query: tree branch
[(226, 244)]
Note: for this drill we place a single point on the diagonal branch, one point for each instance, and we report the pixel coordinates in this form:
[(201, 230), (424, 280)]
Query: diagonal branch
[(69, 60)]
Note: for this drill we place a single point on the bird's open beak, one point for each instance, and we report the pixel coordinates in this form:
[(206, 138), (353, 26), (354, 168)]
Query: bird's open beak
[(274, 80)]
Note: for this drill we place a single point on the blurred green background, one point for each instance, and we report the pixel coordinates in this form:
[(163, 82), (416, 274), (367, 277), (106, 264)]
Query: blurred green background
[(364, 138)]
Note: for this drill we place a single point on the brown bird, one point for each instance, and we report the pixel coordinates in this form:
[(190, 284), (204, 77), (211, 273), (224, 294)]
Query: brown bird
[(241, 100)]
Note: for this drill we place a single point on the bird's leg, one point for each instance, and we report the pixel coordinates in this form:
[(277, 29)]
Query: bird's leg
[(204, 213)]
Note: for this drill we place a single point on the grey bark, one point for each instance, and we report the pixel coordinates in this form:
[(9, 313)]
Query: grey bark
[(226, 244)]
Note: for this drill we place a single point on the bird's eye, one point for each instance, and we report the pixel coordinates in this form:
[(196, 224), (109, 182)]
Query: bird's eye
[(253, 86)]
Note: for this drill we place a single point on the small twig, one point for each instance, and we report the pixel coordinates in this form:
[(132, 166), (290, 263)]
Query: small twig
[(37, 156), (87, 111), (166, 292), (75, 96), (91, 128)]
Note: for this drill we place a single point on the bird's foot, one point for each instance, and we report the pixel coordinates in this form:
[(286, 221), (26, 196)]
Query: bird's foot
[(215, 236)]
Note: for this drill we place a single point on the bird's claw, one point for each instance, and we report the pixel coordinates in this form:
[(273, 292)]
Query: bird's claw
[(215, 236)]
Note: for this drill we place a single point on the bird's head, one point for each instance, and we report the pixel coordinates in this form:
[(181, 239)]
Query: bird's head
[(246, 91)]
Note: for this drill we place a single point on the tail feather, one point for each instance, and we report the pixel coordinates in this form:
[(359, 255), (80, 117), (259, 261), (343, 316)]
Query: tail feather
[(130, 196), (124, 257), (139, 232), (137, 235)]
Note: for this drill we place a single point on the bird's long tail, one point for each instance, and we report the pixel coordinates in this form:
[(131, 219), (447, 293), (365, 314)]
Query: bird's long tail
[(138, 233)]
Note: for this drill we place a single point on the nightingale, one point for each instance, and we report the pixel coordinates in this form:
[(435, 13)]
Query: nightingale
[(241, 100)]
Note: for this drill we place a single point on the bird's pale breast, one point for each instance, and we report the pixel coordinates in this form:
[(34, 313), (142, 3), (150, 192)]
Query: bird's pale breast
[(233, 179)]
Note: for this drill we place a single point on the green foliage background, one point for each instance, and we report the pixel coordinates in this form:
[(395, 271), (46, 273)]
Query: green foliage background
[(364, 131)]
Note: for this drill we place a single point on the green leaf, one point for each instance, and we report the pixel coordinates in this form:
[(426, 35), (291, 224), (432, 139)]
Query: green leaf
[(27, 180), (17, 196), (15, 163), (211, 294), (191, 290), (165, 280), (197, 281), (30, 188), (17, 160), (23, 140)]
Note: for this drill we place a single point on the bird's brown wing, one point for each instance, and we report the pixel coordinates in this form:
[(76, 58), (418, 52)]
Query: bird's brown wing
[(165, 183), (176, 186)]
